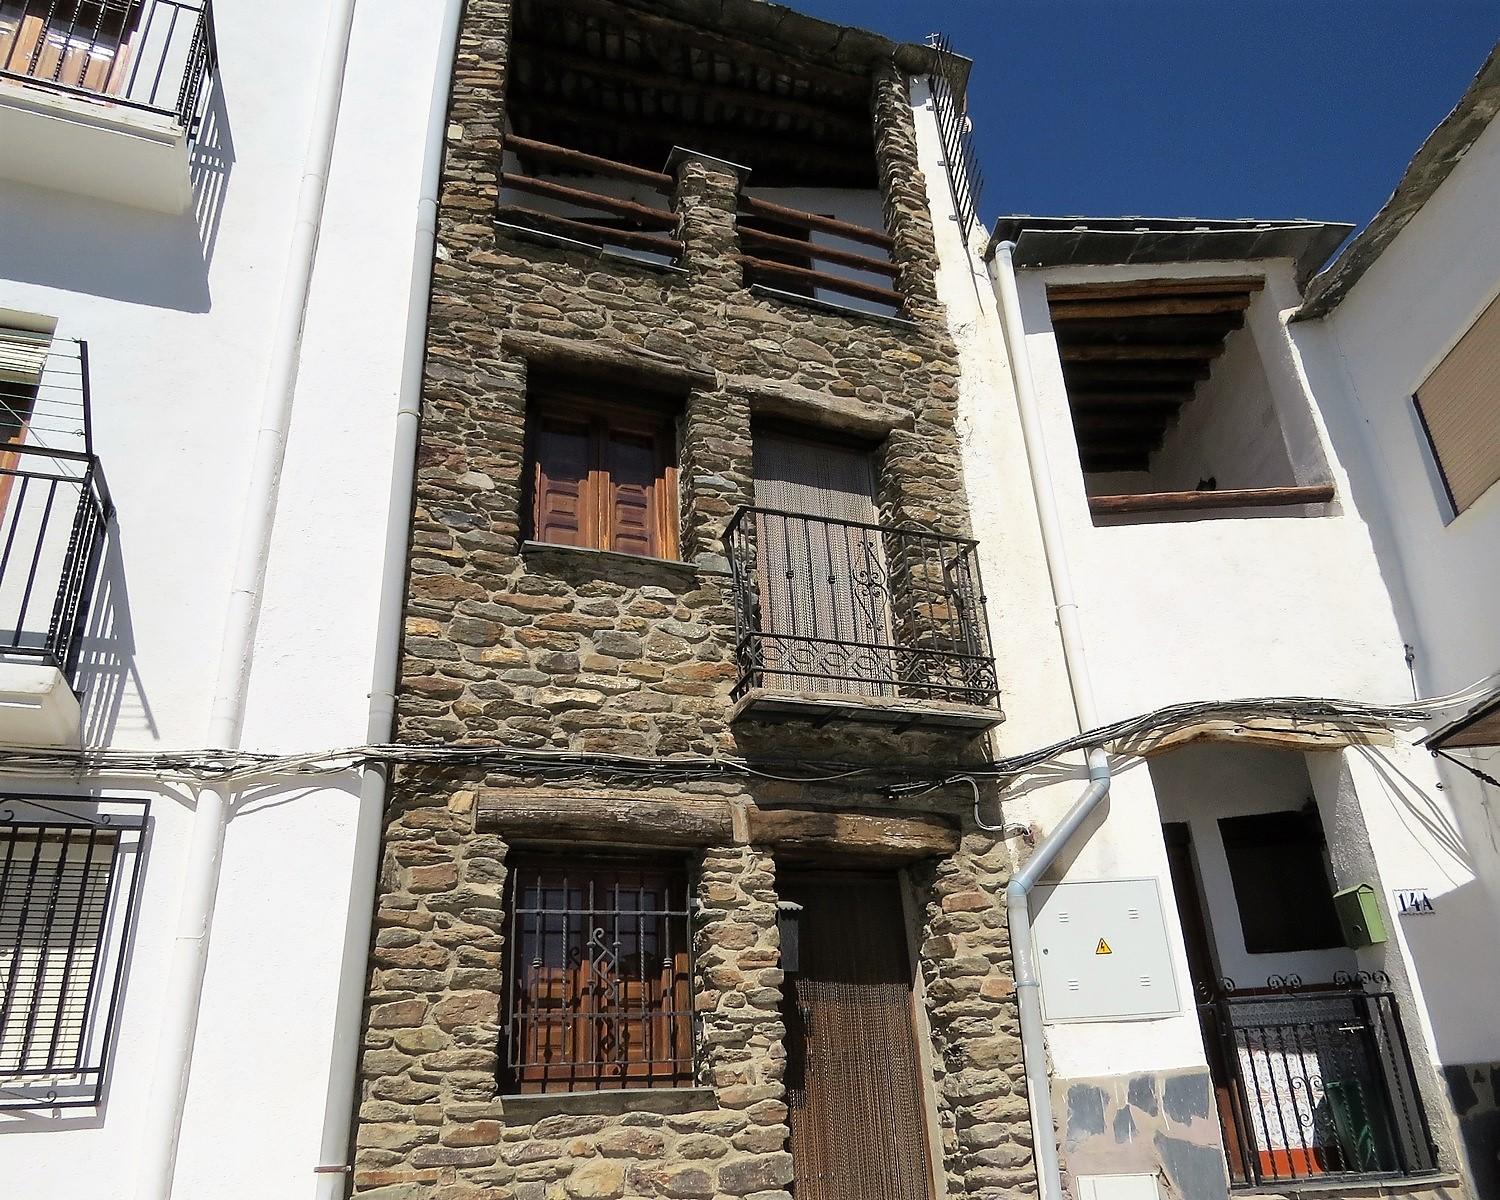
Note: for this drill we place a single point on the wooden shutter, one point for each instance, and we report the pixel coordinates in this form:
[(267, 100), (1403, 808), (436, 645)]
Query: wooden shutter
[(1460, 407), (83, 45), (603, 478)]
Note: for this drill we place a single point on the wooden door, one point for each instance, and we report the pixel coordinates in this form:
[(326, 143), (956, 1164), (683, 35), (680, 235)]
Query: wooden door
[(853, 1077), (1198, 942), (821, 570)]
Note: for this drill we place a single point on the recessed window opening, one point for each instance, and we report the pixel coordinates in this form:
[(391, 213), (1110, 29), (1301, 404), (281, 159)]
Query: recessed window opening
[(602, 472), (1459, 406), (1278, 863), (599, 965), (597, 101), (1171, 403)]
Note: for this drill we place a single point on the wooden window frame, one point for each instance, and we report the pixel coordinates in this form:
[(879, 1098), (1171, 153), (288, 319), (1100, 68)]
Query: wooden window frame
[(573, 403), (578, 1016)]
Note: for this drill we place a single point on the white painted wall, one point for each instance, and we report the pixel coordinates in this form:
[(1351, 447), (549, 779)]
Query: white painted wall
[(1254, 604), (177, 313)]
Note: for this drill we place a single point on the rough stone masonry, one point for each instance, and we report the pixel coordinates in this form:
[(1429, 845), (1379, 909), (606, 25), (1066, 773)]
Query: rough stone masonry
[(546, 647)]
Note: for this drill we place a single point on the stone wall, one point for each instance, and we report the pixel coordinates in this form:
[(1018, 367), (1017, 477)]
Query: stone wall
[(554, 648)]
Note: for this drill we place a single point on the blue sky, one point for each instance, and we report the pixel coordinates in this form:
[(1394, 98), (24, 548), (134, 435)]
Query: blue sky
[(1214, 108)]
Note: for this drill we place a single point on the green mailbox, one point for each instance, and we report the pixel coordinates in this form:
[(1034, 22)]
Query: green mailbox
[(1359, 916)]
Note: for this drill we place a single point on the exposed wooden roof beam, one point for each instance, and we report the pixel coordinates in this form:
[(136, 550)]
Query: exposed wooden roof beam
[(1142, 306), (1138, 288), (1120, 351), (780, 60), (678, 85), (1136, 372), (1115, 461)]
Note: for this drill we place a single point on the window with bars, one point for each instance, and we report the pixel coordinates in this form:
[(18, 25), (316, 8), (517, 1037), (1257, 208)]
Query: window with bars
[(68, 874), (599, 988)]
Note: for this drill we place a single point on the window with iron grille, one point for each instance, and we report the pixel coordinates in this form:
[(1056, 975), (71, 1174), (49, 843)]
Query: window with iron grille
[(599, 988), (68, 873)]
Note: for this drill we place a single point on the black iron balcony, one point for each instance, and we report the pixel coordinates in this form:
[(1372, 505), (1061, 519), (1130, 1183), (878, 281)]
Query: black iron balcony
[(1315, 1085), (870, 622), (154, 56), (54, 504)]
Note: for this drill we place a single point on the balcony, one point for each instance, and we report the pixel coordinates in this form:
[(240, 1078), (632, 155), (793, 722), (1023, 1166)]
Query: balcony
[(104, 97), (840, 620), (54, 515), (1315, 1086)]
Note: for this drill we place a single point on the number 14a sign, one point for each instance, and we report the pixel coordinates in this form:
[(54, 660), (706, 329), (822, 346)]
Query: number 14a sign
[(1413, 902)]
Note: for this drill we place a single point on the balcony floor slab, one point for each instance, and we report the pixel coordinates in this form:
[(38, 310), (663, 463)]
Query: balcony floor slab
[(821, 708)]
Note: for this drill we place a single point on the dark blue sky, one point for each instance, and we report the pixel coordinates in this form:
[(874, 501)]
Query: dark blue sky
[(1212, 108)]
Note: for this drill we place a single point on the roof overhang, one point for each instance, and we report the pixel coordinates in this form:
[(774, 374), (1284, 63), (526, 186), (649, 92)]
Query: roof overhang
[(1432, 164), (1479, 727), (1128, 241)]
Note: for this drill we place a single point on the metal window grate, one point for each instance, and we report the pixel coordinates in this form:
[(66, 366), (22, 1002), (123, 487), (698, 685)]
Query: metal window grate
[(599, 991), (964, 176), (68, 875)]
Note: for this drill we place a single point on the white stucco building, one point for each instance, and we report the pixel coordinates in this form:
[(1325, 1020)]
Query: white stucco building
[(165, 325), (1192, 485)]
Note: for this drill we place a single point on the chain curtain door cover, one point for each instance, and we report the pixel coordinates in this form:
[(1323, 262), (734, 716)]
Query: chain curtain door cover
[(853, 1076), (824, 588)]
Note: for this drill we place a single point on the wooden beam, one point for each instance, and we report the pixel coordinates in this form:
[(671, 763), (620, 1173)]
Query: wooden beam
[(779, 61), (657, 217), (1098, 462), (847, 258), (1132, 351), (1136, 372), (1165, 306), (531, 817), (1125, 421), (582, 231), (678, 85), (821, 279), (589, 164), (1153, 287), (1195, 501), (806, 220), (865, 835), (1108, 398)]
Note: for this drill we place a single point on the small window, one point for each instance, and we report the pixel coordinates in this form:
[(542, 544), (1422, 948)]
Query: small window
[(603, 476), (600, 975), (1281, 884), (67, 882), (1459, 404)]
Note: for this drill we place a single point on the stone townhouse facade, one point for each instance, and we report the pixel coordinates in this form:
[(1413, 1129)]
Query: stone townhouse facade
[(646, 740)]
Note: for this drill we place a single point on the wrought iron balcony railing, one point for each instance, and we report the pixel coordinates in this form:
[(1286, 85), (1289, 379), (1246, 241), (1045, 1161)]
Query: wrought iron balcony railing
[(54, 503), (870, 612), (155, 56), (1315, 1084)]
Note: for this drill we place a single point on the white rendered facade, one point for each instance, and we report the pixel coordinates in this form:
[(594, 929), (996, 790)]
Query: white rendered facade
[(178, 310)]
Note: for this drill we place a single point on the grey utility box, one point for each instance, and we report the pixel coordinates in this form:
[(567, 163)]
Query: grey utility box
[(1102, 951)]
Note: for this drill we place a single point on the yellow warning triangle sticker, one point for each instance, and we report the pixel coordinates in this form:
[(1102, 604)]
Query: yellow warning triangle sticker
[(1103, 947)]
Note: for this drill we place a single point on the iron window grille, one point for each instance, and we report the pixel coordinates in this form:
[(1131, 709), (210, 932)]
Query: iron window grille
[(1319, 1084), (599, 989), (55, 506), (69, 873), (155, 56), (825, 606)]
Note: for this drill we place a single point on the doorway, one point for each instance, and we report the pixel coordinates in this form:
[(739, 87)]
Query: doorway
[(853, 1073)]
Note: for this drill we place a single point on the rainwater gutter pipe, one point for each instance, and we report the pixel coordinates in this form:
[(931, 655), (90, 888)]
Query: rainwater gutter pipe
[(161, 1129), (1018, 890), (334, 1168)]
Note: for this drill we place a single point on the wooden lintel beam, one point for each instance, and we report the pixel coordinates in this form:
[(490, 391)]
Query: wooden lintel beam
[(1137, 351), (867, 835), (1140, 288), (1164, 306), (1196, 501), (779, 60), (602, 820), (637, 77)]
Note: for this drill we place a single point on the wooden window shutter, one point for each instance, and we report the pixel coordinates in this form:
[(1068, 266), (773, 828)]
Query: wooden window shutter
[(603, 478), (1460, 408)]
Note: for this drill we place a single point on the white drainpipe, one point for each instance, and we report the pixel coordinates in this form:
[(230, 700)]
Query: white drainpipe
[(1018, 891), (333, 1169), (183, 995)]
